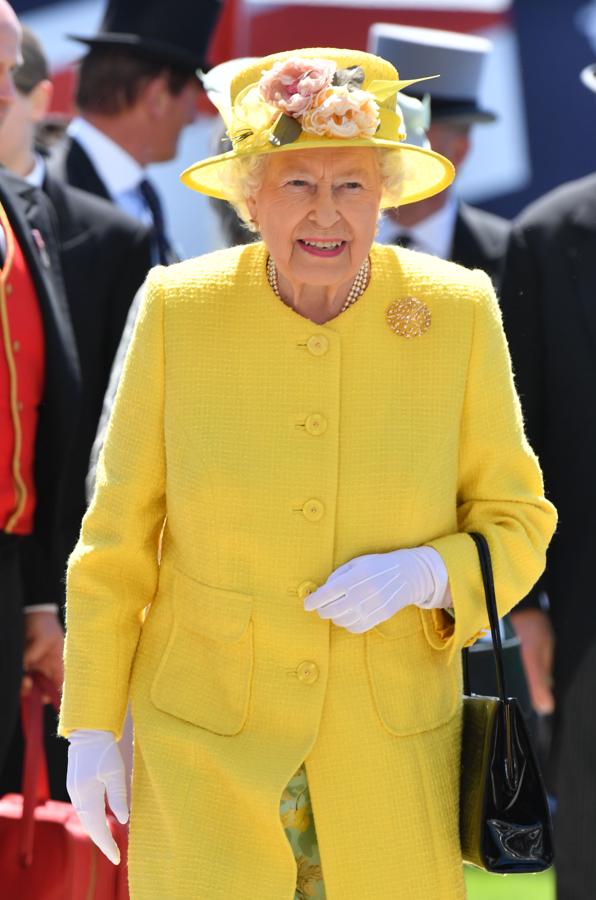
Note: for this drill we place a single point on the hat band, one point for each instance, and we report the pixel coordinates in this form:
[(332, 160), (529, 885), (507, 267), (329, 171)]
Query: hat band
[(391, 128), (453, 107)]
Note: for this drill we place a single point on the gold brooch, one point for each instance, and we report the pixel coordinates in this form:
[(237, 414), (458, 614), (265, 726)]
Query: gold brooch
[(408, 317)]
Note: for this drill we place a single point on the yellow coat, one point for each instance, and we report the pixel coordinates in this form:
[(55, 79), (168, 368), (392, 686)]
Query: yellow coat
[(275, 450)]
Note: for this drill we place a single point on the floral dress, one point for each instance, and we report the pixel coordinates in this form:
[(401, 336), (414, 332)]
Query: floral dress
[(299, 824)]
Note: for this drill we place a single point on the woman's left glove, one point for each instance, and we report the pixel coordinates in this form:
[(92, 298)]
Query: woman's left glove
[(370, 589), (96, 772)]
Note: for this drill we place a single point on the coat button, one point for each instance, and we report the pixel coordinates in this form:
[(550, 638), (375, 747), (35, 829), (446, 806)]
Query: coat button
[(306, 588), (308, 672), (16, 346), (318, 344), (316, 424), (313, 510), (9, 289)]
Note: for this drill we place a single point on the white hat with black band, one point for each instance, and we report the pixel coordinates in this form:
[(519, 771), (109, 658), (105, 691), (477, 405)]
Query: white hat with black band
[(457, 58)]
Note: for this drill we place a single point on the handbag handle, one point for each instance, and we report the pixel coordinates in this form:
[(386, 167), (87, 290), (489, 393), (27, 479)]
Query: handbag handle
[(486, 569), (35, 778)]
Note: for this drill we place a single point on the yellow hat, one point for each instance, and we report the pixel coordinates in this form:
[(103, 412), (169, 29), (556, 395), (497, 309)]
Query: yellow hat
[(318, 97)]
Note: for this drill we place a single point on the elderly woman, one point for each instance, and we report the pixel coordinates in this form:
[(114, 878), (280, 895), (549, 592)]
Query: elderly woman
[(275, 567)]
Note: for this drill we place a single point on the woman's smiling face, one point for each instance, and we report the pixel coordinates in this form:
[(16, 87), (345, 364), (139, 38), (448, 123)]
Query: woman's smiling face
[(317, 211)]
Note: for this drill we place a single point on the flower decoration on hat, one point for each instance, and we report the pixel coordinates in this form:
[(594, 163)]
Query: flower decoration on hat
[(316, 97), (292, 85), (341, 112), (304, 95)]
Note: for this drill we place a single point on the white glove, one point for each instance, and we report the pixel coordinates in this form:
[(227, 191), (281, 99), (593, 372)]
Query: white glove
[(370, 589), (96, 770)]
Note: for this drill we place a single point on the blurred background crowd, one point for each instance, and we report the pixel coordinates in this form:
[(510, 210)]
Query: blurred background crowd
[(101, 109)]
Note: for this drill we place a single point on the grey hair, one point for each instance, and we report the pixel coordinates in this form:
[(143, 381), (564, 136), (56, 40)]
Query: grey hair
[(244, 176)]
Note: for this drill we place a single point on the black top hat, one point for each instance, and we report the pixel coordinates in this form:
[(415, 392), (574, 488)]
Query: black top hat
[(174, 32)]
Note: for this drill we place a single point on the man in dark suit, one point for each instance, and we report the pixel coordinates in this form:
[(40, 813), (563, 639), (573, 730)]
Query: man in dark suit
[(104, 255), (443, 225), (137, 89), (39, 397), (549, 311)]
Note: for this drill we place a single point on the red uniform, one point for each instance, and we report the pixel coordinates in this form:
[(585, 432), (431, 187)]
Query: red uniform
[(22, 363)]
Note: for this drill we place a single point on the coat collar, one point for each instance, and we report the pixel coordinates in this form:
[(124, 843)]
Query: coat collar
[(68, 162), (583, 216)]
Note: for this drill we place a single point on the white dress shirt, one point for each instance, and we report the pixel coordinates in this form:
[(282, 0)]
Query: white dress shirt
[(120, 173), (38, 172), (432, 235)]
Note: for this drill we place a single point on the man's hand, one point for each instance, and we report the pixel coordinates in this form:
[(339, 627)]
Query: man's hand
[(44, 643), (535, 632)]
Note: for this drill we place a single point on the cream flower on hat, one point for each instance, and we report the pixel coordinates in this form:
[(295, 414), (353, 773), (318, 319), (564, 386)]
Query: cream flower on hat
[(341, 112)]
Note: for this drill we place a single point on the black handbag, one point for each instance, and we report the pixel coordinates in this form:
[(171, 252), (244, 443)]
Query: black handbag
[(505, 823)]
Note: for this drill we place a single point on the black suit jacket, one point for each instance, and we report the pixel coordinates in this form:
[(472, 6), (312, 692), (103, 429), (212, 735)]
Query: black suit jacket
[(29, 212), (549, 309), (70, 164), (480, 241), (105, 256)]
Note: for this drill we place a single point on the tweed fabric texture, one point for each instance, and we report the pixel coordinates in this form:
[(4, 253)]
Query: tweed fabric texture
[(212, 450)]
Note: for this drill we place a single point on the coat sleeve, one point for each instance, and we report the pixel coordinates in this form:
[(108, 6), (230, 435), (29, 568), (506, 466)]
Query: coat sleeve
[(500, 490), (113, 571), (112, 390), (522, 319)]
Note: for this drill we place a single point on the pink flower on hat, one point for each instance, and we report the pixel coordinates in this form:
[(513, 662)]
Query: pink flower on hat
[(340, 112), (292, 85)]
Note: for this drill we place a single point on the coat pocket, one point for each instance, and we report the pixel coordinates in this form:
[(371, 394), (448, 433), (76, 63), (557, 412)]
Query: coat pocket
[(205, 673), (413, 689)]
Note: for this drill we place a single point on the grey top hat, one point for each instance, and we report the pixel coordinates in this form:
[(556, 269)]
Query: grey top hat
[(588, 76), (176, 32), (457, 58)]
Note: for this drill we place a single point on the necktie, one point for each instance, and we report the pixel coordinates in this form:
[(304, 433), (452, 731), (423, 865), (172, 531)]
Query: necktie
[(405, 240), (162, 250)]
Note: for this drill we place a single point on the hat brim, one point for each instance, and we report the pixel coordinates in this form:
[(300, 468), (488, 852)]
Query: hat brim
[(426, 172), (588, 77), (167, 54)]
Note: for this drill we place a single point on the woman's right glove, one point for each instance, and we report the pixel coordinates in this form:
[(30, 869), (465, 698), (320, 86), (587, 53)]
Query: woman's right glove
[(96, 771), (370, 589)]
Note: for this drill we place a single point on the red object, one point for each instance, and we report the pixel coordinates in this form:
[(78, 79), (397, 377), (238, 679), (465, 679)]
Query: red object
[(45, 853), (22, 362), (264, 26)]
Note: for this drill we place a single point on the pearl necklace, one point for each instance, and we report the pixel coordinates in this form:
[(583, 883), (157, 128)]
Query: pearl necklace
[(359, 284)]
